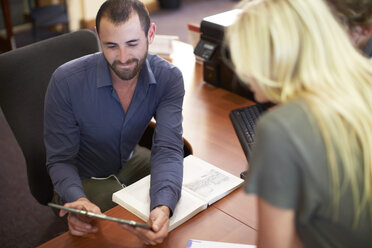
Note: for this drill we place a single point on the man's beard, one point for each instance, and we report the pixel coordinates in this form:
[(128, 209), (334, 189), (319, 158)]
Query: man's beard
[(126, 74)]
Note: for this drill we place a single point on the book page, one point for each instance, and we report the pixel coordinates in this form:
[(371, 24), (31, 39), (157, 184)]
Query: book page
[(187, 207), (136, 199), (207, 181)]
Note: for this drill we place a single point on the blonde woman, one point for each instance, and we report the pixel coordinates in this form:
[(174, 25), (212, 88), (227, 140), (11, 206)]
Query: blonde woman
[(357, 17), (312, 164)]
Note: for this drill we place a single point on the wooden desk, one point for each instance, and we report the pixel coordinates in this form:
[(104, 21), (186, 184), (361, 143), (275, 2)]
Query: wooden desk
[(208, 128), (211, 224)]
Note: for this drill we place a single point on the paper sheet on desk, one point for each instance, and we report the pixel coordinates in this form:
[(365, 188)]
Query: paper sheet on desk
[(194, 243), (162, 44)]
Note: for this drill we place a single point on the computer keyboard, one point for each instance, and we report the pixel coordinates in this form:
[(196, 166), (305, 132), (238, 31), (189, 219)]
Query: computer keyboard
[(244, 122)]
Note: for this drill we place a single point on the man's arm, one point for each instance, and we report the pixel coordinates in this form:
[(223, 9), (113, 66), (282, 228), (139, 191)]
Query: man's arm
[(276, 226), (159, 220), (167, 149), (61, 138)]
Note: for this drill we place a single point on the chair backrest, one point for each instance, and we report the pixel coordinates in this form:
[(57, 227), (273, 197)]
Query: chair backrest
[(48, 19), (24, 76), (48, 15), (146, 140)]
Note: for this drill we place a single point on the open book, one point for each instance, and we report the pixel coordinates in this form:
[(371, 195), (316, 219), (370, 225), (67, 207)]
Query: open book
[(203, 184)]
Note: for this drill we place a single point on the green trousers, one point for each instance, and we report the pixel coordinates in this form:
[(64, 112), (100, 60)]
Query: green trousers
[(100, 190)]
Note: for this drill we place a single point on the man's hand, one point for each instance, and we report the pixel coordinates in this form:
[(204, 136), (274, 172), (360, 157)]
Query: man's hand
[(78, 224), (159, 221)]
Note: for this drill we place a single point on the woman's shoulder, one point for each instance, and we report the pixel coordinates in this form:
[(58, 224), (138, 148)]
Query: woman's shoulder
[(293, 113)]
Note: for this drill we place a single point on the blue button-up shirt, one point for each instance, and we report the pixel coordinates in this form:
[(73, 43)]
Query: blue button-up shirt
[(88, 134)]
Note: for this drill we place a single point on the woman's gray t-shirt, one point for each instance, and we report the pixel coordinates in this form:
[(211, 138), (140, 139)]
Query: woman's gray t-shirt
[(289, 170)]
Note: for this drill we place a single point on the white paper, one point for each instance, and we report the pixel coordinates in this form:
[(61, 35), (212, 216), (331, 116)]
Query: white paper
[(194, 243), (207, 181)]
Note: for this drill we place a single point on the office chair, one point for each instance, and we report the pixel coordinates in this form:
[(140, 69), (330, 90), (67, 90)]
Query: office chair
[(24, 77), (48, 16), (146, 140)]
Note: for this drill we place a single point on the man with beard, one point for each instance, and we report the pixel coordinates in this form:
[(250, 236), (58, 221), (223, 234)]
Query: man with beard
[(96, 110)]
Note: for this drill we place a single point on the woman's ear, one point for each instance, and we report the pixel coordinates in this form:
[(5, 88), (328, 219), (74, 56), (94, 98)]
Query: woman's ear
[(151, 33)]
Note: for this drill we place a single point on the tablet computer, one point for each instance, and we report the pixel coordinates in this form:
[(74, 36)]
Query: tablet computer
[(100, 216)]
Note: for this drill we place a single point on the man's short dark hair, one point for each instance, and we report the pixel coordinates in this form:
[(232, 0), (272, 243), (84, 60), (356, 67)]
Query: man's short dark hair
[(119, 11)]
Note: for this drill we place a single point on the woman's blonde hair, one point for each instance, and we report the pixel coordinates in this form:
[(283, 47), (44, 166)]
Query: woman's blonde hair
[(296, 49)]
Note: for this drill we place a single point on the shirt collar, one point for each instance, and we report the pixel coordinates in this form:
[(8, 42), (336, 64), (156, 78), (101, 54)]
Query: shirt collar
[(146, 74), (104, 78), (103, 72)]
